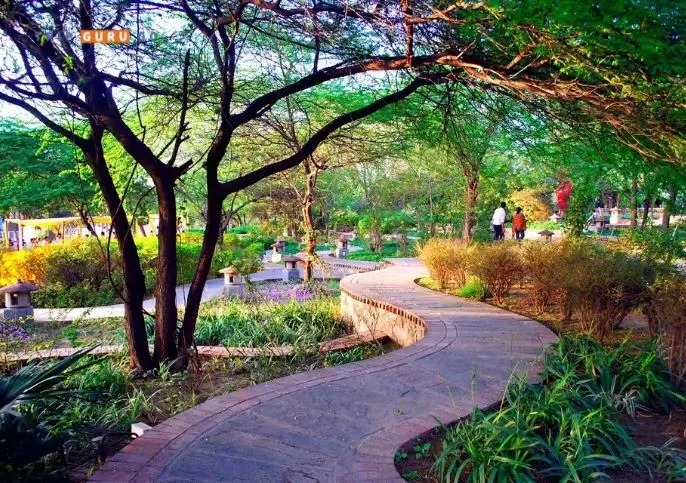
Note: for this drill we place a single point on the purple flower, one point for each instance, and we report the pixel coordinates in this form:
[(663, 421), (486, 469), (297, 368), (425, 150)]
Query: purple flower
[(12, 332), (279, 293), (301, 294)]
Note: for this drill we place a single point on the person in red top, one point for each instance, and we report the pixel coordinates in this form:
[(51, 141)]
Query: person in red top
[(518, 224)]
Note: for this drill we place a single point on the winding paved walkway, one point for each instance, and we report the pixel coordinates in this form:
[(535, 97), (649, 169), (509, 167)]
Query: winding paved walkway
[(345, 423)]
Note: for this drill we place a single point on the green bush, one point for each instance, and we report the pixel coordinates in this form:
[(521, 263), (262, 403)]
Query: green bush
[(542, 225), (75, 273), (344, 219), (247, 258), (390, 249), (84, 295), (292, 247), (652, 243), (246, 229), (474, 288)]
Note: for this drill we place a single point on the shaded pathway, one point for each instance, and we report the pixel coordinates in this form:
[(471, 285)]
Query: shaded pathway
[(344, 423)]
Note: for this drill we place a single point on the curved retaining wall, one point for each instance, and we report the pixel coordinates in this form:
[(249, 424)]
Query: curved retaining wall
[(368, 315)]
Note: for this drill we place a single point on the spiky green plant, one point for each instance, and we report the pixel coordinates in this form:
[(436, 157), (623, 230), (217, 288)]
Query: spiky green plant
[(23, 444), (565, 429)]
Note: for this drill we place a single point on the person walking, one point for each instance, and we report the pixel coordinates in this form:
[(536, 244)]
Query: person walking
[(498, 222), (518, 224)]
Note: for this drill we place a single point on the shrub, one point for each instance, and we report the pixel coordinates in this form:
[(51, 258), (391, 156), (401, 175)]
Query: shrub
[(75, 273), (446, 259), (533, 202), (541, 264), (667, 320), (499, 266), (70, 263), (84, 295), (599, 285), (653, 244), (609, 287), (344, 219), (70, 274), (245, 229)]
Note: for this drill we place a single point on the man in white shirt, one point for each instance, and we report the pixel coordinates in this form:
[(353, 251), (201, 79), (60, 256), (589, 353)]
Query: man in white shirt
[(498, 222)]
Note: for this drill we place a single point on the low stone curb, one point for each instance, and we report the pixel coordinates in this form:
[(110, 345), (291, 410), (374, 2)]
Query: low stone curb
[(341, 343)]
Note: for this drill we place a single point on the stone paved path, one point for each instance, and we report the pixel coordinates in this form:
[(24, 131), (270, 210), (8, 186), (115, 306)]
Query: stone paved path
[(345, 423)]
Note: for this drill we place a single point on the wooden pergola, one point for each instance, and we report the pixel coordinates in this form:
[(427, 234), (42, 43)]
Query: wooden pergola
[(59, 223)]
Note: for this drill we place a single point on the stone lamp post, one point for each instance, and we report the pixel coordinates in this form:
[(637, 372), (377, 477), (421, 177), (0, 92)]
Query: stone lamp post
[(342, 247), (290, 271), (17, 301), (615, 216), (233, 282), (547, 234), (277, 250)]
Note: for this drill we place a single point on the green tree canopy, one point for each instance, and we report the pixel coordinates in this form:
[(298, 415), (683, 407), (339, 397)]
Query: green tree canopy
[(40, 174)]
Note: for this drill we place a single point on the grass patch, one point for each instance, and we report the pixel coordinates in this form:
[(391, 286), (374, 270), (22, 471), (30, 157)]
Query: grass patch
[(235, 323), (474, 289), (389, 250)]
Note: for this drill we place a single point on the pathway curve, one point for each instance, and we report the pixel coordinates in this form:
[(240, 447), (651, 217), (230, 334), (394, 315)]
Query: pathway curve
[(345, 423)]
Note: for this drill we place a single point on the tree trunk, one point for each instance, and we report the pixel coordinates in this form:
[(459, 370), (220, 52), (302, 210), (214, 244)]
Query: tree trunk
[(133, 279), (165, 291), (646, 211), (669, 207), (308, 221), (634, 204), (375, 240), (86, 222), (470, 206), (209, 243), (432, 225)]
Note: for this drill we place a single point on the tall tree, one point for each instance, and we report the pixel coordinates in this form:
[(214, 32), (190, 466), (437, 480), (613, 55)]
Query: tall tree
[(575, 54)]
